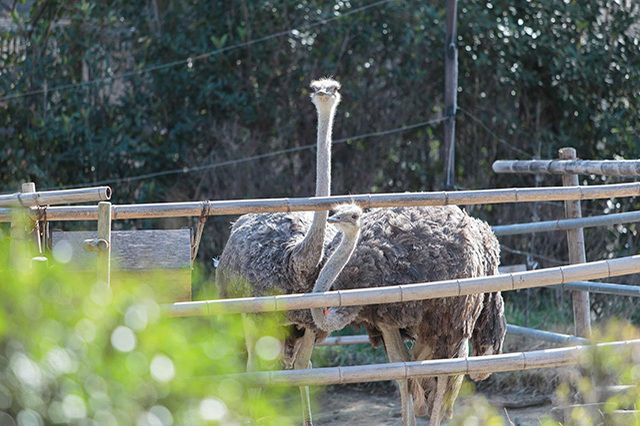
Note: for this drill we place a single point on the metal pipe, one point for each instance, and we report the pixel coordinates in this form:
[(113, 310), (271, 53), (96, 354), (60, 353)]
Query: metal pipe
[(64, 196), (547, 336), (410, 292), (565, 224), (604, 288), (272, 205), (516, 361), (514, 330), (623, 168), (361, 339)]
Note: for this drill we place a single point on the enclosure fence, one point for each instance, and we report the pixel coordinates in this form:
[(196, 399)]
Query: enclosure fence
[(36, 205)]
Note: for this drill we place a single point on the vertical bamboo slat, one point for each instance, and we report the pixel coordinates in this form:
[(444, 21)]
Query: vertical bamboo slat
[(18, 231), (104, 232), (30, 187), (575, 240)]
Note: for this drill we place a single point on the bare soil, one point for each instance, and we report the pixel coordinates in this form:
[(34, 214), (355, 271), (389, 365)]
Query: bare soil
[(356, 406)]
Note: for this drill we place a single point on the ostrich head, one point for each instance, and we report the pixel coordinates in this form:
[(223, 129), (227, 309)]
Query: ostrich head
[(325, 93), (347, 218)]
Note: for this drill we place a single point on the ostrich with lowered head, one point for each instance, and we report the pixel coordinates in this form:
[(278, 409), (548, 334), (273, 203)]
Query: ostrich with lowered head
[(405, 245), (281, 253)]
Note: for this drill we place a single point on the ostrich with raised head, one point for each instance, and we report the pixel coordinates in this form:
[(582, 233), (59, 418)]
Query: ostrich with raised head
[(280, 253)]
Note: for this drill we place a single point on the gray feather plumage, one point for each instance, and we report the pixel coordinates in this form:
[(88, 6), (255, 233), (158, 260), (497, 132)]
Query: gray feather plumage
[(396, 246), (257, 260)]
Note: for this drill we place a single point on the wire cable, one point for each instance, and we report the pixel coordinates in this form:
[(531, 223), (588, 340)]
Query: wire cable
[(191, 59), (496, 137), (226, 163)]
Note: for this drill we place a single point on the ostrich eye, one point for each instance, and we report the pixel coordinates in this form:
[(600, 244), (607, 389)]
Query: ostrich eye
[(354, 217)]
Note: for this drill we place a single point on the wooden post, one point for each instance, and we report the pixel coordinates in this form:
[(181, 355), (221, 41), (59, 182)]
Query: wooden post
[(18, 227), (104, 233), (450, 92), (575, 241)]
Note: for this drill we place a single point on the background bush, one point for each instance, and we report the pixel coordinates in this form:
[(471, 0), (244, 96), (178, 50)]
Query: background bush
[(535, 76)]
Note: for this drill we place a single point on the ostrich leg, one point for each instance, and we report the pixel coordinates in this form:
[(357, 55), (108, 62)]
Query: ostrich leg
[(397, 352), (302, 361)]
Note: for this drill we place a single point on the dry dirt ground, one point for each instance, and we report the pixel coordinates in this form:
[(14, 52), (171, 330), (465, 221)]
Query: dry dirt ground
[(355, 406)]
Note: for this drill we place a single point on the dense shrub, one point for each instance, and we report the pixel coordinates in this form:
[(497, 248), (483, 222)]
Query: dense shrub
[(534, 76)]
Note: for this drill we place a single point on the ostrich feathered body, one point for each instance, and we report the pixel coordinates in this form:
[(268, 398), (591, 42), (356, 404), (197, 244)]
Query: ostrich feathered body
[(257, 260), (421, 244), (397, 246)]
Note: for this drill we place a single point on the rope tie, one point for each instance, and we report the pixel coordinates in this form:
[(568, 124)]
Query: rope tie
[(204, 214)]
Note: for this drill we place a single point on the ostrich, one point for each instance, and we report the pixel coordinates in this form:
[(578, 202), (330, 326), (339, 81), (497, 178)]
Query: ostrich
[(347, 219), (413, 244), (282, 252)]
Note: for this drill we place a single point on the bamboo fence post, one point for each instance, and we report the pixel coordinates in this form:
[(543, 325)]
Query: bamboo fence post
[(18, 235), (575, 240), (450, 92), (104, 233), (622, 168), (19, 221), (30, 187), (62, 196)]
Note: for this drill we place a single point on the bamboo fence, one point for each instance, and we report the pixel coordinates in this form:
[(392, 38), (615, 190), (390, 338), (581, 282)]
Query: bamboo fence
[(410, 292), (621, 168), (235, 207), (66, 196), (516, 361), (575, 243)]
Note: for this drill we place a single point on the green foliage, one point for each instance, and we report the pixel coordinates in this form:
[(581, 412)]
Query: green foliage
[(534, 76), (72, 350), (604, 366)]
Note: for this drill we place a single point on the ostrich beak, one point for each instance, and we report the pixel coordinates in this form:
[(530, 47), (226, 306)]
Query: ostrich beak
[(334, 219)]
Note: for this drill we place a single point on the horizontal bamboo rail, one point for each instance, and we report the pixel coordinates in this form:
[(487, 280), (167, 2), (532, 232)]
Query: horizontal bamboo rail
[(514, 330), (516, 361), (604, 288), (566, 224), (64, 196), (410, 292), (272, 205), (623, 168)]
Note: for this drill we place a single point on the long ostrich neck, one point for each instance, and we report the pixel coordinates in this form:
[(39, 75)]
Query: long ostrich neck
[(308, 253), (336, 263)]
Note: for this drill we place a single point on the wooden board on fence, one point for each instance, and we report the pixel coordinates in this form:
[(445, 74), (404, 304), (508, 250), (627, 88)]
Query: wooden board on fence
[(159, 258)]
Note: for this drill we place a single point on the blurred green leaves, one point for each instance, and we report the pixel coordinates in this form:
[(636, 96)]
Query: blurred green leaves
[(73, 350)]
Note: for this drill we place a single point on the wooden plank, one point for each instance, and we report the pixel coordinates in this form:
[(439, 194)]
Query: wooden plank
[(158, 259), (134, 250)]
